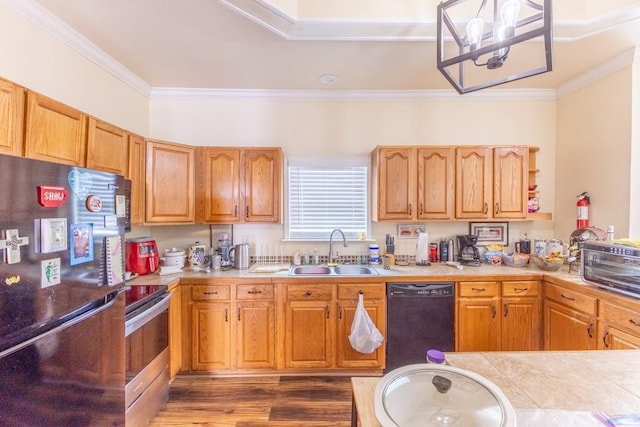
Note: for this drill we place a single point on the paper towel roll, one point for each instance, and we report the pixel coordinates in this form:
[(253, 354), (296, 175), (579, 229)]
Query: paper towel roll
[(422, 251)]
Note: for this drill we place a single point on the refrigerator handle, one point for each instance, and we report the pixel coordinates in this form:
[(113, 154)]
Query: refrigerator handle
[(104, 303)]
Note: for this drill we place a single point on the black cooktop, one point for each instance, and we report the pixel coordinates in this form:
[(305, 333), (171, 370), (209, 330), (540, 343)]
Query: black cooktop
[(138, 295)]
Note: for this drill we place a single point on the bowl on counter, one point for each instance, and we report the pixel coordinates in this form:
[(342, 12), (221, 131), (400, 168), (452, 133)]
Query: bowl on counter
[(550, 263), (515, 259)]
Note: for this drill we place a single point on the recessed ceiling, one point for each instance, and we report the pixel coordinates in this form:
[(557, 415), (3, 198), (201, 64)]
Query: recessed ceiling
[(288, 44)]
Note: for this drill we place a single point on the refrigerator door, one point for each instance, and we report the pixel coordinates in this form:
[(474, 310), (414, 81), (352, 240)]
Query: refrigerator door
[(70, 375)]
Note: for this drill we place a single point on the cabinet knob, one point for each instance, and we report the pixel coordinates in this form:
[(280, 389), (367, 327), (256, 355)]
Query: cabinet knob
[(308, 293)]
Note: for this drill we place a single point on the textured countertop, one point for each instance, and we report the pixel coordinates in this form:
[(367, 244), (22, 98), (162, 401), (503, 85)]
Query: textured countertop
[(547, 388)]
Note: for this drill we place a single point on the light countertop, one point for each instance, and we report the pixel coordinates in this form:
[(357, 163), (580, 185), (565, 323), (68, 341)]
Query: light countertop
[(547, 388)]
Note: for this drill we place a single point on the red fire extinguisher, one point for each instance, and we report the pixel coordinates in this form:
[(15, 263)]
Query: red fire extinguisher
[(583, 210)]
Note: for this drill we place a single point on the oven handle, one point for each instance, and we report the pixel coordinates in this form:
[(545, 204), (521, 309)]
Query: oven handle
[(136, 322)]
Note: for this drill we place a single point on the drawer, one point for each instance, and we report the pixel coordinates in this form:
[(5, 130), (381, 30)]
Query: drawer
[(523, 288), (310, 292), (479, 289), (256, 291), (370, 291), (208, 293), (572, 299), (620, 317)]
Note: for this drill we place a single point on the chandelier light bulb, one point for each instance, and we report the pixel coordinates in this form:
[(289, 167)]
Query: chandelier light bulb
[(509, 16), (474, 33)]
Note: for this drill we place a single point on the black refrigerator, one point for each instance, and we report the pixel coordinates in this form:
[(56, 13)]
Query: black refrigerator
[(62, 345)]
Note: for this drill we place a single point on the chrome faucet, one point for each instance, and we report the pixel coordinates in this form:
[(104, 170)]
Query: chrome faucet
[(344, 239)]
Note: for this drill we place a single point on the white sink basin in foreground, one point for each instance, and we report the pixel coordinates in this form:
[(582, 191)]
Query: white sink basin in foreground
[(407, 397)]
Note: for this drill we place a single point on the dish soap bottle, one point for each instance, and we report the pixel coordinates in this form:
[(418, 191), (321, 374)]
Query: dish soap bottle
[(296, 257)]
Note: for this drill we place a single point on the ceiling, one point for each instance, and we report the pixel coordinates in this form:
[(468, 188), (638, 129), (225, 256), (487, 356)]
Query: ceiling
[(288, 44)]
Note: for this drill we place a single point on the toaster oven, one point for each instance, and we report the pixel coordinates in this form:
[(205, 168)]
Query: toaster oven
[(611, 266)]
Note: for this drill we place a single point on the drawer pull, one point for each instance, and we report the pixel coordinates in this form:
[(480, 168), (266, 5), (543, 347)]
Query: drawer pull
[(493, 311), (211, 293), (590, 329), (254, 292), (410, 209), (328, 310), (238, 314), (566, 297), (506, 310), (634, 322), (478, 289), (605, 339), (486, 208), (520, 289), (497, 208), (308, 293), (226, 315)]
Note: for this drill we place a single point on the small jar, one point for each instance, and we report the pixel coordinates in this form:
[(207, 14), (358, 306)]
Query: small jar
[(374, 254), (436, 356)]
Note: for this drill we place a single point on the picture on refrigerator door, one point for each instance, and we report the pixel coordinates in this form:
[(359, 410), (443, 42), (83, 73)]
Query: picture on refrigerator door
[(81, 243), (53, 234)]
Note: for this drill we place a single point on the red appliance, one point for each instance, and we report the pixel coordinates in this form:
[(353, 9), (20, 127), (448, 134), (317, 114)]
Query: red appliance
[(142, 255)]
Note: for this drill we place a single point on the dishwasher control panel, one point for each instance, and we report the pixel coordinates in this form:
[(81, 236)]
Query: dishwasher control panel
[(419, 290)]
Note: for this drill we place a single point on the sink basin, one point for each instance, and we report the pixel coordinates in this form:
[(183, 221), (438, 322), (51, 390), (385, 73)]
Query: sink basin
[(440, 395), (353, 270), (324, 270), (302, 270)]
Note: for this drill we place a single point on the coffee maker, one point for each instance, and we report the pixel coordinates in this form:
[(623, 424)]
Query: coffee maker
[(467, 251), (224, 247)]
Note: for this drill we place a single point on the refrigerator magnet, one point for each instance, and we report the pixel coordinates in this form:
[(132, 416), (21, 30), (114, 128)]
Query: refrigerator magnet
[(53, 234), (50, 272), (81, 249), (94, 203)]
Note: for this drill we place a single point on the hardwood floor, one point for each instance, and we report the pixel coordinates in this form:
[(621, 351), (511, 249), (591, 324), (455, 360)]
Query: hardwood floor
[(258, 401)]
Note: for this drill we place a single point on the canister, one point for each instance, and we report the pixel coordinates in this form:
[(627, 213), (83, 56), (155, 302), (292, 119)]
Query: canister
[(374, 254), (196, 254)]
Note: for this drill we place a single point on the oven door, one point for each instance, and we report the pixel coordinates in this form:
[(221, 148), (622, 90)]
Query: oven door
[(615, 272), (147, 346)]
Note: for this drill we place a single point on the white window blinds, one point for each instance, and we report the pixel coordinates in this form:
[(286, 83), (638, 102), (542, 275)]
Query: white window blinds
[(322, 198)]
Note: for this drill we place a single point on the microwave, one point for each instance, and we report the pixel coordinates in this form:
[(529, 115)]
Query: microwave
[(611, 266)]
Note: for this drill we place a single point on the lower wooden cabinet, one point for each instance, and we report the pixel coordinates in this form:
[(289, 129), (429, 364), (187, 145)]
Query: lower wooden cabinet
[(317, 324), (232, 326), (569, 319), (618, 327), (493, 316)]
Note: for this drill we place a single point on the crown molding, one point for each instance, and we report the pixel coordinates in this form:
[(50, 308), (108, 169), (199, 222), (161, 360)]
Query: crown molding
[(190, 94), (50, 23), (617, 63)]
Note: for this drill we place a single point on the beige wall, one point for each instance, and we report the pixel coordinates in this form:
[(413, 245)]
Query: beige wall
[(594, 153), (33, 58), (634, 179)]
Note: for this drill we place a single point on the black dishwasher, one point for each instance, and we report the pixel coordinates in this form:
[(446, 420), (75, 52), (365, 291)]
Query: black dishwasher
[(420, 316)]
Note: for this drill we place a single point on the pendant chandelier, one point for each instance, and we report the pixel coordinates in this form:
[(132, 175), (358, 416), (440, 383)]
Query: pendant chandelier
[(480, 42)]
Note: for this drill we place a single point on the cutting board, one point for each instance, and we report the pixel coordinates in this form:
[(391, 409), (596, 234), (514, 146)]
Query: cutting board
[(268, 268)]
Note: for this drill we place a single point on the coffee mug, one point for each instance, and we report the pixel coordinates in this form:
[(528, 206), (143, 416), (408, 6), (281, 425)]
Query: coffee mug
[(217, 262)]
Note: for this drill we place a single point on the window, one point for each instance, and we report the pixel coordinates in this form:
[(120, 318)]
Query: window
[(323, 197)]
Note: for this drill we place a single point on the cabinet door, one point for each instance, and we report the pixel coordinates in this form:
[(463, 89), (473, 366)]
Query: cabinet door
[(11, 118), (436, 182), (567, 329), (510, 182), (211, 336), (396, 183), (520, 324), (175, 332), (347, 356), (107, 147), (473, 182), (478, 324), (54, 132), (220, 173), (136, 173), (261, 182), (255, 334), (309, 332), (615, 339), (170, 186)]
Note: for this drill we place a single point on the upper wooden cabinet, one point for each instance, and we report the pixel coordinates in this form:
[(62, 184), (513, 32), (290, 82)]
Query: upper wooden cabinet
[(491, 182), (54, 132), (107, 147), (239, 185), (11, 118), (136, 173), (413, 183), (170, 183)]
